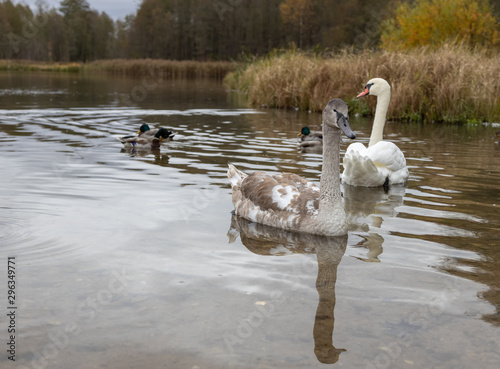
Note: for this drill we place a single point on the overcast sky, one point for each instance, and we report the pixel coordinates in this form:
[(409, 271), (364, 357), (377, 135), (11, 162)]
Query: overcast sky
[(116, 9)]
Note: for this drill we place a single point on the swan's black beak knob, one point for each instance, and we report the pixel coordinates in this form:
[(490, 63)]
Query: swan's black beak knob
[(366, 91)]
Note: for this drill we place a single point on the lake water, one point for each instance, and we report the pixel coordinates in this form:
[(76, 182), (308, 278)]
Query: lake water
[(133, 259)]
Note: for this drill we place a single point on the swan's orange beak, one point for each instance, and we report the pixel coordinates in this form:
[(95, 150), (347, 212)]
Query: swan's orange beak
[(365, 92)]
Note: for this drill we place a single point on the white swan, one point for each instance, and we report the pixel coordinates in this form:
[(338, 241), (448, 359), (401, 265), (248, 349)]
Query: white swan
[(382, 162), (291, 202)]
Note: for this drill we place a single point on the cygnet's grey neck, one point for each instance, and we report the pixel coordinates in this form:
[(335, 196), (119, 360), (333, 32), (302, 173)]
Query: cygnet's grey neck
[(330, 195)]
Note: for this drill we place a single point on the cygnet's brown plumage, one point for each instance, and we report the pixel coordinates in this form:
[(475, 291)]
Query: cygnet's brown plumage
[(291, 202)]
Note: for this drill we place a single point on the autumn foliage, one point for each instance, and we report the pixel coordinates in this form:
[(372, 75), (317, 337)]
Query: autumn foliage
[(437, 22), (298, 16)]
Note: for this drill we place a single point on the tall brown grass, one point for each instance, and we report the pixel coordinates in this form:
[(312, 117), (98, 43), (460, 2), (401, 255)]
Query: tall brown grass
[(450, 84), (32, 66), (168, 69)]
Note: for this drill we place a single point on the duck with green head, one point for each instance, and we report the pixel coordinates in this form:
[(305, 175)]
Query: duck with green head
[(146, 132), (144, 129), (306, 134), (146, 141), (310, 139)]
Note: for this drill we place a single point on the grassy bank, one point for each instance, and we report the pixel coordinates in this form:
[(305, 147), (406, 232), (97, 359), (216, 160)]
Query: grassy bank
[(32, 66), (451, 84), (168, 69), (164, 68)]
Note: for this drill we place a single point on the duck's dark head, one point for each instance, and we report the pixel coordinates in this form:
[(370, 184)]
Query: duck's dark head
[(162, 134), (143, 129), (305, 131)]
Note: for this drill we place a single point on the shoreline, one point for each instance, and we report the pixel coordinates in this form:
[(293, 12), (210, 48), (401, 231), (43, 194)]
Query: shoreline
[(168, 69)]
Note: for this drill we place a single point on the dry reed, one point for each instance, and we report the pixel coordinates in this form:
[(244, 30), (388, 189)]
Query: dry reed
[(450, 84), (33, 66), (168, 69)]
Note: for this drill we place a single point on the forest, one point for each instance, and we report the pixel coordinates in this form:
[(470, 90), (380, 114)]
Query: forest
[(280, 53), (188, 29)]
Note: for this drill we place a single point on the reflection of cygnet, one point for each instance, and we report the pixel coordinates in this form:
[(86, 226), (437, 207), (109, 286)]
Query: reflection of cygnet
[(265, 240), (324, 322)]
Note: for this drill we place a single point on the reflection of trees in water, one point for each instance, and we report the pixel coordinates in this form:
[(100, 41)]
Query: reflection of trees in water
[(264, 240)]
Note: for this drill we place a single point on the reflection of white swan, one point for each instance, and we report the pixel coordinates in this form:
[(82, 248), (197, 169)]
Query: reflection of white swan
[(264, 240), (373, 242), (382, 163), (291, 202), (366, 209)]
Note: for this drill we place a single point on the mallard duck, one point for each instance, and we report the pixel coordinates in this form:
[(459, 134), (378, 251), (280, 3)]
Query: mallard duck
[(146, 141), (146, 130), (310, 140), (291, 202), (307, 135), (142, 130), (381, 163)]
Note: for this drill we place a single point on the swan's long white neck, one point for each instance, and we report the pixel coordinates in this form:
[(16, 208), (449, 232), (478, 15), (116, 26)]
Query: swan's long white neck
[(330, 195), (383, 100)]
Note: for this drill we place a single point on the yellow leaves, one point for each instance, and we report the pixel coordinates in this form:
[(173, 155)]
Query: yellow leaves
[(299, 17), (438, 22), (295, 11)]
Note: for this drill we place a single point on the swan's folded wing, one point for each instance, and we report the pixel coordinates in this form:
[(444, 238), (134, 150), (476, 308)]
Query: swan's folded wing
[(281, 193), (355, 147), (360, 170), (387, 154)]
